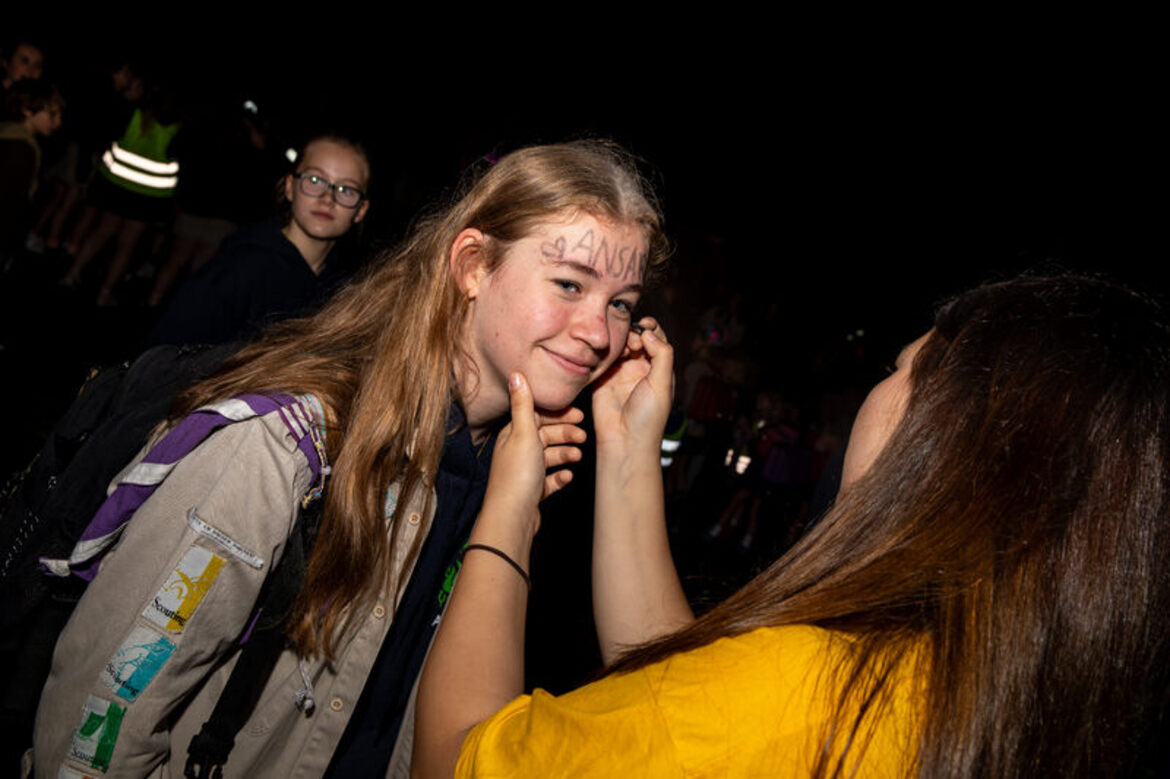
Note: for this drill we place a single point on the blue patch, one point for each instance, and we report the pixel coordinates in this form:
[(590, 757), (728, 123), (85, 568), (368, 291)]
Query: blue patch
[(142, 654)]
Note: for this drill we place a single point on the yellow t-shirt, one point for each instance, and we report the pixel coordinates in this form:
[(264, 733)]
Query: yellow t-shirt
[(752, 705)]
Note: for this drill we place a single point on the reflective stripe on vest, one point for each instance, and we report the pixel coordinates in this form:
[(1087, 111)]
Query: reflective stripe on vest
[(139, 169), (139, 161)]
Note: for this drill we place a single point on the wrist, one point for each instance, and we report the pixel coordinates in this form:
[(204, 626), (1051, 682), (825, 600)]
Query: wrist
[(630, 448), (508, 531)]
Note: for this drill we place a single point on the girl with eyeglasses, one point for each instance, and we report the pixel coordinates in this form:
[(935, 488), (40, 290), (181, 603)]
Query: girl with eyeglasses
[(402, 382), (276, 269)]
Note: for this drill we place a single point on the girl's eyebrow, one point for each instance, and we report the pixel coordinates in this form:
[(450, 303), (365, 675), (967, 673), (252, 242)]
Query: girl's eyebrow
[(580, 267), (592, 272)]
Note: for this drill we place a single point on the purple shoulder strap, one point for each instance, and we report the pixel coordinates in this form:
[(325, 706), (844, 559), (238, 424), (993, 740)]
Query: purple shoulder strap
[(144, 478)]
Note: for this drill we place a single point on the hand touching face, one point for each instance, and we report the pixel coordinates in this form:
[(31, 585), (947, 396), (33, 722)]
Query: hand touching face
[(631, 402)]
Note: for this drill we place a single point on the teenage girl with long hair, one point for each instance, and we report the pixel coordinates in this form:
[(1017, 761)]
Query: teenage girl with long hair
[(987, 597), (535, 269)]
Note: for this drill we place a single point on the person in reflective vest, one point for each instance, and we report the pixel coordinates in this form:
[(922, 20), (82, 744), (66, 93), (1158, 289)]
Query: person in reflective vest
[(135, 190)]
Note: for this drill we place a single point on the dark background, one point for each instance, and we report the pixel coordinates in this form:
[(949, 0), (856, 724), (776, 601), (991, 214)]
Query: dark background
[(853, 172)]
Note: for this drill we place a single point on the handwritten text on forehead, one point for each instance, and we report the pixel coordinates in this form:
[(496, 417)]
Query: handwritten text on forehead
[(622, 261)]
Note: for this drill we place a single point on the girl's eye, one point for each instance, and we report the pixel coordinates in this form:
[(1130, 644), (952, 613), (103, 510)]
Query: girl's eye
[(567, 286), (624, 306)]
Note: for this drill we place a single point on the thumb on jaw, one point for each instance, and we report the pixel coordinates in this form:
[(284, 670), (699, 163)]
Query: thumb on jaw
[(523, 410)]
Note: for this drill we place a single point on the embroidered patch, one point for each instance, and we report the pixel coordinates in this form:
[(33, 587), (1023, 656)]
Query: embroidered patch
[(136, 662), (96, 734), (236, 549), (184, 589)]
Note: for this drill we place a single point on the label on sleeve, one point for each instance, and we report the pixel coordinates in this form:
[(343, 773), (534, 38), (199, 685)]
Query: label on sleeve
[(233, 547), (184, 589), (96, 734), (142, 654)]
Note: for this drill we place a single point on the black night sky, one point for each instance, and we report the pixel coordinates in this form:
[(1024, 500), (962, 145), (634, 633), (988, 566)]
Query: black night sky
[(850, 177)]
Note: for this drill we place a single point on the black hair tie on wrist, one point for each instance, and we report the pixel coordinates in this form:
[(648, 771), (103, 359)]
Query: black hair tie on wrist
[(503, 556)]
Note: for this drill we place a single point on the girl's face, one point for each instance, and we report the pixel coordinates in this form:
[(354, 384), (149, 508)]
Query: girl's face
[(321, 217), (557, 308), (879, 415)]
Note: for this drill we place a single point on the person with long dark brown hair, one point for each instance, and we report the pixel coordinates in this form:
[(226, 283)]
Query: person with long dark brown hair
[(987, 597), (402, 380)]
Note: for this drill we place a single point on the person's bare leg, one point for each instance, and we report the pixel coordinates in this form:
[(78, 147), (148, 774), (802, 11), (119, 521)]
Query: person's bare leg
[(82, 229), (128, 237), (60, 190), (182, 251), (106, 229), (57, 225)]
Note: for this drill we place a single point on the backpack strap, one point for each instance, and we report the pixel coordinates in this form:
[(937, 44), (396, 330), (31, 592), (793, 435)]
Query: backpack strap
[(145, 477)]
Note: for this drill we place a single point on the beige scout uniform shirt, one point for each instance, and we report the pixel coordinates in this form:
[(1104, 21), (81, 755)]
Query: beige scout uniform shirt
[(139, 667)]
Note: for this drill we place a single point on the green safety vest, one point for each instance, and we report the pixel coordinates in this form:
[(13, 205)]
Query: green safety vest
[(139, 161)]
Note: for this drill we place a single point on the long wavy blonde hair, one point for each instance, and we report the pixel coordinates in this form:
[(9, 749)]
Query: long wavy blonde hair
[(381, 356)]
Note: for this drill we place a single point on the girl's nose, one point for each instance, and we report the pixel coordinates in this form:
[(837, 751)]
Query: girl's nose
[(591, 327)]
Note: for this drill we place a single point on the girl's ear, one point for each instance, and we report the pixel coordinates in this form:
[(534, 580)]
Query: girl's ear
[(361, 211), (469, 262), (288, 187)]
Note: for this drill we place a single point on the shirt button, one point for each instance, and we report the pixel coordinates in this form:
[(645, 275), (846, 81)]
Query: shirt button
[(336, 704), (379, 611), (414, 518)]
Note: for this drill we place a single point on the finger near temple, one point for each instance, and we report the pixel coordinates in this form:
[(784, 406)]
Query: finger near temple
[(661, 354), (651, 324)]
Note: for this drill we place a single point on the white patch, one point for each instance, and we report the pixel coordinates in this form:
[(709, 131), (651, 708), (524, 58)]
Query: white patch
[(136, 662), (234, 548), (96, 735), (183, 591)]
